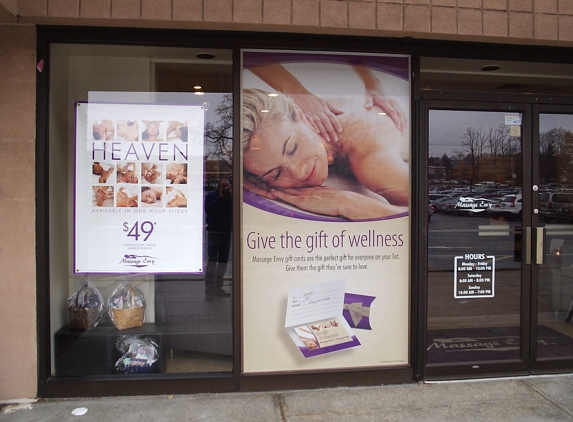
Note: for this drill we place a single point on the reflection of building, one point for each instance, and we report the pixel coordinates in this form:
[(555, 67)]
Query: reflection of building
[(436, 172), (215, 170)]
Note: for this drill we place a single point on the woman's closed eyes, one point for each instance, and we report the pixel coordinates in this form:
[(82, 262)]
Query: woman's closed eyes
[(288, 154), (289, 148)]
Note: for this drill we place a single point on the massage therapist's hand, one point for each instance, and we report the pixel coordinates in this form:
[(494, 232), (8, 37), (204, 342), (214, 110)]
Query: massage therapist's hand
[(178, 201), (179, 179), (125, 201), (150, 175), (175, 126), (337, 203), (101, 196), (321, 115), (377, 98)]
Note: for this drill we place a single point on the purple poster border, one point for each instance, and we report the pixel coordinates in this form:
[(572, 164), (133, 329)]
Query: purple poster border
[(395, 65), (264, 204)]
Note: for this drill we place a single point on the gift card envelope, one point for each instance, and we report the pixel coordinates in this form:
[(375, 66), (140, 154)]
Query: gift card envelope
[(357, 310), (314, 319)]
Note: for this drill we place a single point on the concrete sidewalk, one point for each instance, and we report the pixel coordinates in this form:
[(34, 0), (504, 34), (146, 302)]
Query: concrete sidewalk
[(539, 398)]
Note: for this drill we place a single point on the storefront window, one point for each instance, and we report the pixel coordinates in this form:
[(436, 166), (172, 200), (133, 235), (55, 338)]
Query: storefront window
[(140, 153)]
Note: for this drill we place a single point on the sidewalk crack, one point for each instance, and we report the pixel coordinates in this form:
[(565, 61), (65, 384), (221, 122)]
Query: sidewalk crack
[(549, 399), (279, 398)]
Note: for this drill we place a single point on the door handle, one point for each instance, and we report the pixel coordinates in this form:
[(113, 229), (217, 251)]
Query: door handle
[(527, 244), (539, 249), (534, 245)]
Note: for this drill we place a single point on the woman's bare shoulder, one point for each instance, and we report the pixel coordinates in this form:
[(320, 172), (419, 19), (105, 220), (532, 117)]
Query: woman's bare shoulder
[(367, 129)]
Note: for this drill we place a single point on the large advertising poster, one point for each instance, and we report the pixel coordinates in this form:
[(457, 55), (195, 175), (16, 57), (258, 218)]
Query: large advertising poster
[(325, 237), (138, 188)]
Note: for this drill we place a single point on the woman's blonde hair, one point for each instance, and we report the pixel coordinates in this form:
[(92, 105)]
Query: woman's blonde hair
[(278, 107)]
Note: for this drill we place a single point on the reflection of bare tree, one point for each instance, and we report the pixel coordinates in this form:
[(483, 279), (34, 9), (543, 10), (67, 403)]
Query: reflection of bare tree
[(495, 155), (474, 141), (220, 135), (489, 154), (498, 141), (556, 155), (561, 140), (462, 171)]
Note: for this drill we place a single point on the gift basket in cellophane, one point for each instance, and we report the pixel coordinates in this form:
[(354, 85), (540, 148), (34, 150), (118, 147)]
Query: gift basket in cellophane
[(140, 355), (126, 307), (85, 307)]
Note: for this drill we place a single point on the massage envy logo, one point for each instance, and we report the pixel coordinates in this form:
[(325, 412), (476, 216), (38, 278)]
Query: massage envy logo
[(499, 344), (473, 204), (138, 261)]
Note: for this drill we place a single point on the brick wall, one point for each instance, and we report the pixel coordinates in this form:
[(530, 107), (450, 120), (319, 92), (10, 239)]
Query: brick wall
[(18, 349), (523, 21)]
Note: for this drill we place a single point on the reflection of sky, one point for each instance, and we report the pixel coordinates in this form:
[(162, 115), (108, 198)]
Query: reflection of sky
[(447, 127), (550, 121)]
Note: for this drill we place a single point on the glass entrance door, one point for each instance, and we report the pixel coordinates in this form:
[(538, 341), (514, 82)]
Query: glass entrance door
[(500, 239), (478, 280), (553, 326)]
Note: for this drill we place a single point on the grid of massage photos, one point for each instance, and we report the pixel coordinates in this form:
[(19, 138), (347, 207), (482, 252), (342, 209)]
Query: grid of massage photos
[(139, 184)]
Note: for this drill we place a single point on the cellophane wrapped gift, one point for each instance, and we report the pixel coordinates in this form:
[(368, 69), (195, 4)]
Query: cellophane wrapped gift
[(85, 307), (140, 355), (126, 307)]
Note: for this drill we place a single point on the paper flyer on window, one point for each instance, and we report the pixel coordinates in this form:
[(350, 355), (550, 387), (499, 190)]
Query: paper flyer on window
[(138, 188), (325, 210)]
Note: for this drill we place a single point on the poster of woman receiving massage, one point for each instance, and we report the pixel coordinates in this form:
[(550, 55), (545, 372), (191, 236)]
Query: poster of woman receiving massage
[(326, 189)]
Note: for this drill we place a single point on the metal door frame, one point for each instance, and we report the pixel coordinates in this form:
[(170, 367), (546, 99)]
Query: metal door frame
[(547, 366), (484, 102)]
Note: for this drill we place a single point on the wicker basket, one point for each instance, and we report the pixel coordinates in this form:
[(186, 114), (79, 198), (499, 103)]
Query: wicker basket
[(80, 318), (128, 317), (83, 318)]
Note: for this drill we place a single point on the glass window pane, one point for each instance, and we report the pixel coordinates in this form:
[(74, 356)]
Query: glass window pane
[(474, 279), (184, 328), (555, 289)]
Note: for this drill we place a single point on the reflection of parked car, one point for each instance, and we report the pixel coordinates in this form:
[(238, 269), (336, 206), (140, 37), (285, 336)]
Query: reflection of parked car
[(430, 210), (493, 203), (551, 202), (491, 196), (446, 205), (565, 214), (434, 196), (510, 207), (437, 202)]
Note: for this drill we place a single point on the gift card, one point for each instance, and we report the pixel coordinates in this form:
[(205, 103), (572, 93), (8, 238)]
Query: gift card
[(315, 320)]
